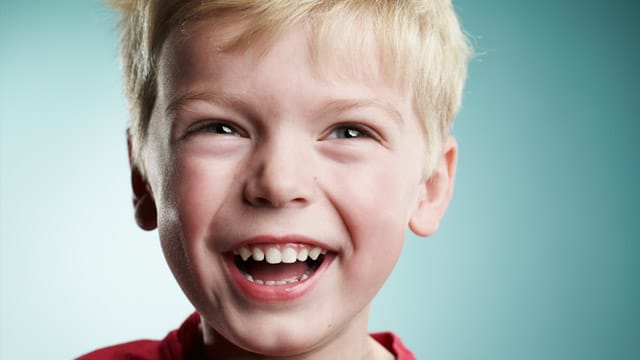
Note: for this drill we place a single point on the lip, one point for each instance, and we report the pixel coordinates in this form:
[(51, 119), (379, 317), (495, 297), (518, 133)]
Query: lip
[(278, 240), (276, 293)]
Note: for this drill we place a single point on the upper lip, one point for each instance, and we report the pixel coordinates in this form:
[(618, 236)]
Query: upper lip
[(287, 239)]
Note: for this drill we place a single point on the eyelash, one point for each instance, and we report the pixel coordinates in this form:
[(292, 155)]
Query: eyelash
[(216, 127), (348, 131), (342, 131)]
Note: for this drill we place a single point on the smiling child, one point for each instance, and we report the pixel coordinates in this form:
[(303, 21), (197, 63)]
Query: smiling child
[(281, 149)]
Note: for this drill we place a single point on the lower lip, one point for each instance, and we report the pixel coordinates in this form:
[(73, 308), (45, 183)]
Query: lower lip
[(275, 293)]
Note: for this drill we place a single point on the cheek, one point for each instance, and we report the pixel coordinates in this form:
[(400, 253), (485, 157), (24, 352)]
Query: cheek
[(193, 194), (381, 211), (374, 206), (379, 196)]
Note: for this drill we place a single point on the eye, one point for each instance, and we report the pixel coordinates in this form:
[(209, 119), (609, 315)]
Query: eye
[(348, 132), (218, 128)]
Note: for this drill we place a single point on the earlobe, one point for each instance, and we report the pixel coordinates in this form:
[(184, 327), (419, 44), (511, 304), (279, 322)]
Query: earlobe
[(143, 203), (435, 192)]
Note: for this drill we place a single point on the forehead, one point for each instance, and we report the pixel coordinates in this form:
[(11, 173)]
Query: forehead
[(335, 51)]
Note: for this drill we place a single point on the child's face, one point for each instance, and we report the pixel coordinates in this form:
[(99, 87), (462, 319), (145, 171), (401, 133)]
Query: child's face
[(257, 152)]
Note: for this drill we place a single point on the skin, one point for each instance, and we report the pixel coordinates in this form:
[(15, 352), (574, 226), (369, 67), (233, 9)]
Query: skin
[(245, 143)]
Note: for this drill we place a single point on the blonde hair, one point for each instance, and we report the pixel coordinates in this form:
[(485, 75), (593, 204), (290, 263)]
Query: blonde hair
[(420, 43)]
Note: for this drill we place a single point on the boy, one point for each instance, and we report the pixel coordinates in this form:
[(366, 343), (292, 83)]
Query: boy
[(281, 148)]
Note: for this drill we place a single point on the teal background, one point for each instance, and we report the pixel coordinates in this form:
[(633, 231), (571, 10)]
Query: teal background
[(536, 259)]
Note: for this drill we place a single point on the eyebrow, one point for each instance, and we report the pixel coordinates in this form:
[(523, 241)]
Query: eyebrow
[(331, 107), (219, 98), (344, 105)]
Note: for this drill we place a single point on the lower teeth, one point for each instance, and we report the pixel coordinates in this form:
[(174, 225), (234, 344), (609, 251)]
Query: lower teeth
[(303, 277)]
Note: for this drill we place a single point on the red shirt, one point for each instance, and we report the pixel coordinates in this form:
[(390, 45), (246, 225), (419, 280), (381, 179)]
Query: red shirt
[(186, 343)]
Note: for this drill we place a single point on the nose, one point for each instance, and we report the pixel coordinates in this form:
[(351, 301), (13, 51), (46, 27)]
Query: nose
[(280, 176)]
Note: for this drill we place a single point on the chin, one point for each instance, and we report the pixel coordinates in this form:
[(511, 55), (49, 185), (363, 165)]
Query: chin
[(276, 338)]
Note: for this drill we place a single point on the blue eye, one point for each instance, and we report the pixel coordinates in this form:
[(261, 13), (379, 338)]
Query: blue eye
[(348, 132), (219, 128)]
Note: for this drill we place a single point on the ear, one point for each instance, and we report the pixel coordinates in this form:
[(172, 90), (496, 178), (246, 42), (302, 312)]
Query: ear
[(435, 192), (143, 203)]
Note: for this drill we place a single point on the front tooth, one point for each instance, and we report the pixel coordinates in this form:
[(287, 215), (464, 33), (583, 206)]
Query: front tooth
[(270, 282), (273, 256), (258, 255), (302, 254), (289, 256), (314, 253), (245, 253)]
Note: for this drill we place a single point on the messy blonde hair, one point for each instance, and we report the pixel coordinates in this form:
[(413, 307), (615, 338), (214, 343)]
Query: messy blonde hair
[(420, 44)]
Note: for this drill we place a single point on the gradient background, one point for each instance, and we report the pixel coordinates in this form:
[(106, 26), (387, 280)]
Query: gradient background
[(536, 259)]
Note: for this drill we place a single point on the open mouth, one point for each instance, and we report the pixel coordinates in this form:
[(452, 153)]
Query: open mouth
[(278, 264)]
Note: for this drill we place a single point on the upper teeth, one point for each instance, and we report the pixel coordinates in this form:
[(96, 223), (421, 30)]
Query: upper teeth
[(287, 254)]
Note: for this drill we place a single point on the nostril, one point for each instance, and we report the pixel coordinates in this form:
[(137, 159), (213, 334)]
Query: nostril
[(276, 201), (263, 202)]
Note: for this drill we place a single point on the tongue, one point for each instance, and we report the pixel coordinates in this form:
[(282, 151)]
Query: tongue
[(265, 272)]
